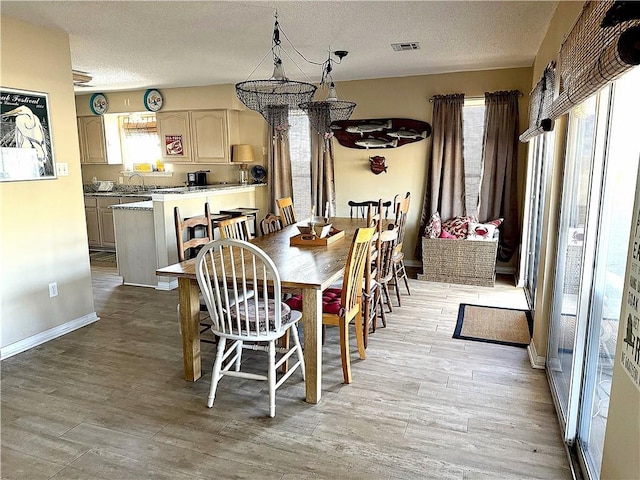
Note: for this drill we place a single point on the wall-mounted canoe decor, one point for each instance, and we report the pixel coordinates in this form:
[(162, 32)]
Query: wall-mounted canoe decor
[(379, 132)]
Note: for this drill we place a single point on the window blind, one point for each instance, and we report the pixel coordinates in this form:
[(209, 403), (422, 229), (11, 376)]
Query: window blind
[(540, 101), (602, 45)]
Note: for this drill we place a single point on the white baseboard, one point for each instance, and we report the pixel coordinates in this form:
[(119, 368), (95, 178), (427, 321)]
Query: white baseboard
[(47, 335), (409, 262), (537, 361), (166, 284), (505, 269)]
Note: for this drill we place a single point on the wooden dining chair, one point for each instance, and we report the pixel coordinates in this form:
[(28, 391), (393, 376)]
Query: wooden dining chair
[(271, 223), (287, 213), (371, 295), (342, 305), (191, 235), (386, 250), (360, 209), (236, 228), (400, 222), (225, 270)]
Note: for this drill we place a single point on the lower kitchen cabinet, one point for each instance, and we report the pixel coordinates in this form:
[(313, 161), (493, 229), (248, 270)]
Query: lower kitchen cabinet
[(100, 230)]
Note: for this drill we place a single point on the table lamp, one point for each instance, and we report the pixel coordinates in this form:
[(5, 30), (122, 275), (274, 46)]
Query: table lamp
[(242, 154)]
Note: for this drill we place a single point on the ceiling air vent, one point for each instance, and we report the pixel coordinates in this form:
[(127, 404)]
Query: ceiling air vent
[(402, 47)]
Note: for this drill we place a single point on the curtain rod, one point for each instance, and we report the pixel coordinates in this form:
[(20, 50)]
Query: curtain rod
[(520, 94)]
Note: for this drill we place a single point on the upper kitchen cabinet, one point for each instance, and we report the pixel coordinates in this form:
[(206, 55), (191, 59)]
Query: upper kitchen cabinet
[(92, 140), (175, 136), (200, 136)]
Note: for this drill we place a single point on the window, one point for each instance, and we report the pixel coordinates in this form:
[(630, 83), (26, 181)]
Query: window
[(473, 134), (133, 138), (300, 152)]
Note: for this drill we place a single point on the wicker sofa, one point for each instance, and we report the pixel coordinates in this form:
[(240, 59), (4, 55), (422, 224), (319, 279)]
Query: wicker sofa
[(467, 262)]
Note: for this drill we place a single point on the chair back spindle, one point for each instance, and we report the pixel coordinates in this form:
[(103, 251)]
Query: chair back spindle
[(287, 213), (270, 224), (236, 228)]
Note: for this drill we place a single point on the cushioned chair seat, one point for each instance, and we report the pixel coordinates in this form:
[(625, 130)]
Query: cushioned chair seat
[(240, 311), (331, 302)]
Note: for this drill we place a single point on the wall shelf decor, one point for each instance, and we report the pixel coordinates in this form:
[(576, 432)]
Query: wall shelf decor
[(380, 132)]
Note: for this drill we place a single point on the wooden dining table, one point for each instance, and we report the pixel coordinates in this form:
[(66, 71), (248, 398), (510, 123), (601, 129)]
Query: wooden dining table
[(305, 269)]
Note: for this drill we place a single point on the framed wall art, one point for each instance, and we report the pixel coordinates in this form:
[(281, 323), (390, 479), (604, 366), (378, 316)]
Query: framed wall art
[(26, 151)]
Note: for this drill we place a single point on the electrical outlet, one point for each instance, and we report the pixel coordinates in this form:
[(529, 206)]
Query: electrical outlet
[(53, 289), (62, 169)]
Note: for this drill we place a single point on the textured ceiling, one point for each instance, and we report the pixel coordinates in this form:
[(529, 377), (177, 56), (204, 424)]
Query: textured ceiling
[(128, 45)]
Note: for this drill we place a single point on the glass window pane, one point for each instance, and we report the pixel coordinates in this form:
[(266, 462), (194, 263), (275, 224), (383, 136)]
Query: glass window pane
[(300, 152), (473, 133), (570, 249)]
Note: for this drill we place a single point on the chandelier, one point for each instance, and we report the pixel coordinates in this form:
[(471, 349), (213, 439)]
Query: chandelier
[(272, 98), (323, 113)]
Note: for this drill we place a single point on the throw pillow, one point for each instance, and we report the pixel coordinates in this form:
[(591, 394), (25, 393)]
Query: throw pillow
[(457, 226), (445, 234), (434, 227), (497, 222), (481, 231)]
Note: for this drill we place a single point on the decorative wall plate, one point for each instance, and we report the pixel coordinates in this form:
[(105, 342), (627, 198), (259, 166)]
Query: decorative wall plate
[(153, 100), (98, 104), (379, 132)]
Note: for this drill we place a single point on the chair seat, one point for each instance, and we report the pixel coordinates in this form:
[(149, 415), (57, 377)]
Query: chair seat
[(242, 309), (397, 257), (331, 302)]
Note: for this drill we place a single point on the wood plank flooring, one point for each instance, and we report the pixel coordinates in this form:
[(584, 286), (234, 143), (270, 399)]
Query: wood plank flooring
[(109, 401)]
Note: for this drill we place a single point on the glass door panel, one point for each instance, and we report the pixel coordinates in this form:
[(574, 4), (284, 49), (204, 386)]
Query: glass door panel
[(541, 156), (616, 210), (565, 326)]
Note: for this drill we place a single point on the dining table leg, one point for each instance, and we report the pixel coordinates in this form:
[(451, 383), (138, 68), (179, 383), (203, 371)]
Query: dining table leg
[(312, 323), (188, 294)]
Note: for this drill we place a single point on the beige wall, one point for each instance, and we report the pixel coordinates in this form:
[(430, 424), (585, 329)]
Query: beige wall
[(42, 224), (408, 97), (622, 441)]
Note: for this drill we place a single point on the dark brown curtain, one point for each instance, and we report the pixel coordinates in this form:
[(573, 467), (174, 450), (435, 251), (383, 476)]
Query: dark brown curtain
[(280, 183), (498, 194), (322, 177), (444, 183)]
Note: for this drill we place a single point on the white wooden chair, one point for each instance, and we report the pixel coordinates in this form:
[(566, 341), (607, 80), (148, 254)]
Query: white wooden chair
[(228, 271)]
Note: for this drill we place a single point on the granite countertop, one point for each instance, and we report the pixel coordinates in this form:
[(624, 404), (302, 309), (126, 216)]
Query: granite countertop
[(146, 205), (140, 191)]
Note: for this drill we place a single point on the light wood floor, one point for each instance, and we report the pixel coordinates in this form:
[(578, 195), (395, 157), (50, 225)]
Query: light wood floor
[(109, 401)]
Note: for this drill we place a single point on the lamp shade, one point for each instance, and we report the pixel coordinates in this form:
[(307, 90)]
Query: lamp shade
[(242, 154)]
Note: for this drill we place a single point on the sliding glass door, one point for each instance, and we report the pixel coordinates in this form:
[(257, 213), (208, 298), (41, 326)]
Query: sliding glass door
[(599, 184), (541, 154)]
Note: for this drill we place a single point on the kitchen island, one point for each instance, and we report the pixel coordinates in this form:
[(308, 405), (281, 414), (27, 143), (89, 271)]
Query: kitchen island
[(145, 231)]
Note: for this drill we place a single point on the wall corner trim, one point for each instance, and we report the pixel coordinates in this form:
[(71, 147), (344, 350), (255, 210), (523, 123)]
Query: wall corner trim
[(537, 361), (47, 335)]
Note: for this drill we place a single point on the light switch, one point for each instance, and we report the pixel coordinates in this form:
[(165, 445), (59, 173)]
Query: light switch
[(62, 169)]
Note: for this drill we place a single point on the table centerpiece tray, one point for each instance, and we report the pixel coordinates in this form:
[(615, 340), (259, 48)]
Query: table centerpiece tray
[(310, 240)]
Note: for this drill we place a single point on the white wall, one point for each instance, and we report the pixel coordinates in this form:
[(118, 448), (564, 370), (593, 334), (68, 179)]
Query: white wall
[(43, 235)]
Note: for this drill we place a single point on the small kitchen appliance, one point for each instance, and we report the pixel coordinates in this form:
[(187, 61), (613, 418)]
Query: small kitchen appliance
[(198, 178)]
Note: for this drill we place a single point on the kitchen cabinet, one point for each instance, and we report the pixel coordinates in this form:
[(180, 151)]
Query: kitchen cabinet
[(200, 136), (93, 228), (175, 136), (92, 140), (100, 230)]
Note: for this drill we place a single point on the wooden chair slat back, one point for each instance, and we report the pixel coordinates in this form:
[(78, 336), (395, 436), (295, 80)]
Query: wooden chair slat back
[(187, 229), (286, 210), (355, 267), (270, 224), (360, 209), (236, 228)]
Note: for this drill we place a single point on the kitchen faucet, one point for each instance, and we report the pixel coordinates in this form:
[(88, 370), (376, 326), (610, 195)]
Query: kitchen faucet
[(136, 175)]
